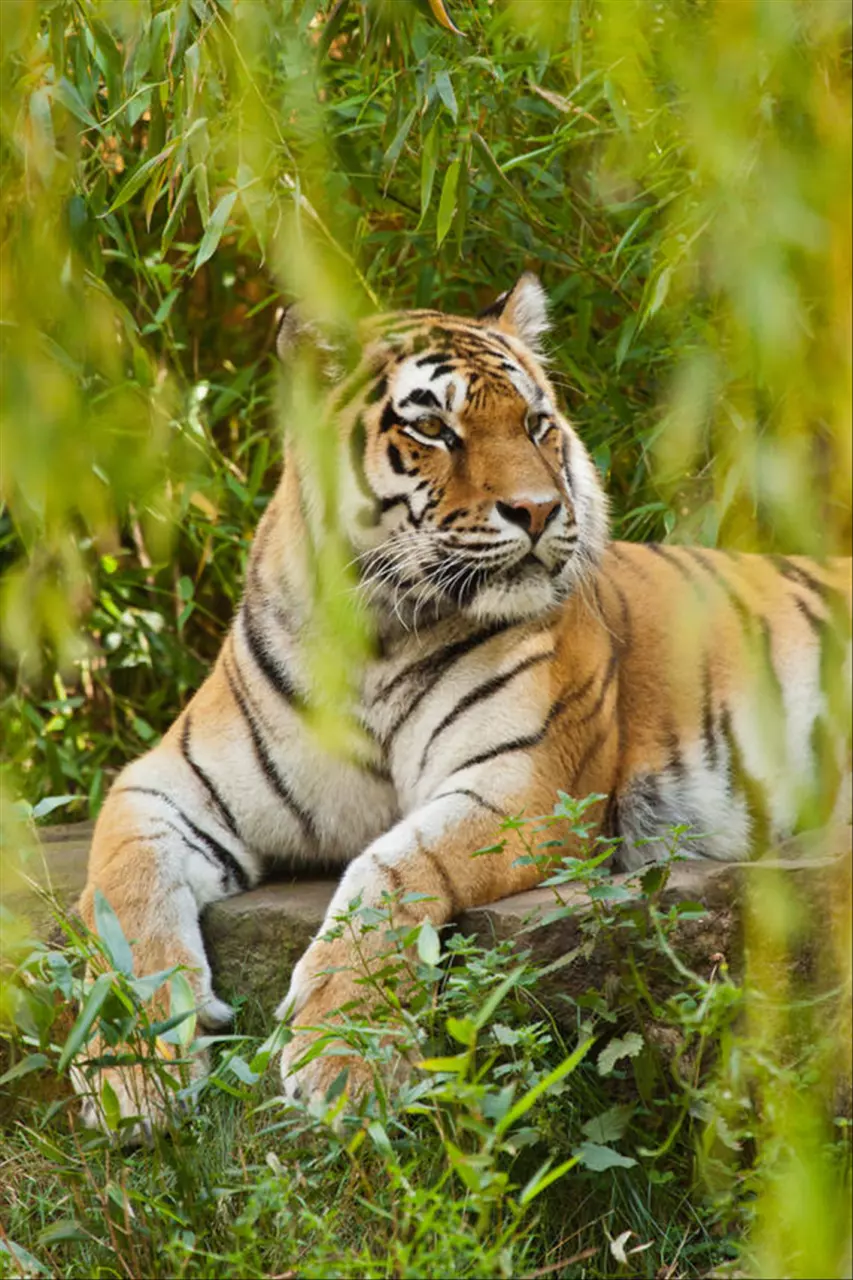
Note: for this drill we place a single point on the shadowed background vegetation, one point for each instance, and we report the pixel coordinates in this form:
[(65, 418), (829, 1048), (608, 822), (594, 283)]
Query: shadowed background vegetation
[(677, 172)]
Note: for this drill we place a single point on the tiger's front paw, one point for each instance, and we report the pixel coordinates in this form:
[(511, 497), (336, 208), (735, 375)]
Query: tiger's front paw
[(312, 1081), (338, 1026), (131, 1102)]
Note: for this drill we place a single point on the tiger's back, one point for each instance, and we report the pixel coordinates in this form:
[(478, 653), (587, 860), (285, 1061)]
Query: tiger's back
[(693, 688)]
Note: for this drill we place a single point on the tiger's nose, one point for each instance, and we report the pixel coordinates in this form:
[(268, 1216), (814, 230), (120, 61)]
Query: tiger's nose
[(530, 515)]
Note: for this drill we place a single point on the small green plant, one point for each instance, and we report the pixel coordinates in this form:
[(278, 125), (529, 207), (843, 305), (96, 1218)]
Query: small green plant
[(517, 1115)]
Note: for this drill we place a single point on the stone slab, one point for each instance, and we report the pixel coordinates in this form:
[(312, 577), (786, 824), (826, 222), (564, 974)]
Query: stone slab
[(254, 939)]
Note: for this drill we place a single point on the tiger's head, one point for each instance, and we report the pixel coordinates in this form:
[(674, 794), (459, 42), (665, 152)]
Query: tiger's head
[(465, 488)]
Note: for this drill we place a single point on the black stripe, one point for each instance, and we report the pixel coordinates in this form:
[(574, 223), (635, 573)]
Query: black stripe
[(224, 856), (438, 670), (592, 747), (377, 391), (818, 625), (422, 396), (395, 500), (219, 804), (675, 761), (755, 627), (744, 613), (435, 357), (357, 447), (441, 872), (276, 675), (270, 772), (666, 554), (741, 782), (452, 516), (472, 795), (398, 466), (612, 667), (709, 736), (530, 740), (143, 837), (437, 662), (191, 844), (794, 573), (479, 694)]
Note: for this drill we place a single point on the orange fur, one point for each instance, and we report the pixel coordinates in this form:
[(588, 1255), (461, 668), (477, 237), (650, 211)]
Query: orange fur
[(521, 654)]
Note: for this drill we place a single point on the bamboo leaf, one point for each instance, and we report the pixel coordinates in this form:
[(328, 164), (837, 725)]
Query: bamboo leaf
[(215, 227), (140, 176), (392, 155), (65, 92), (447, 203), (444, 88), (488, 158), (542, 1179), (428, 163), (98, 993), (32, 1062), (111, 934), (202, 193), (177, 209)]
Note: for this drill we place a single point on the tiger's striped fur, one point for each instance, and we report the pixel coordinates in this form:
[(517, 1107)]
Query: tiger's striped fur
[(521, 653)]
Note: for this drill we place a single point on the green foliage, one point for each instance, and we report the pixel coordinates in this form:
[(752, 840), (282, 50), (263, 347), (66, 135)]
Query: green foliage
[(526, 1134), (511, 1146), (680, 181), (679, 175)]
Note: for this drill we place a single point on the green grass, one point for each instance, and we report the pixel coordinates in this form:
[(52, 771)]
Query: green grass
[(538, 1126), (679, 175), (450, 1176)]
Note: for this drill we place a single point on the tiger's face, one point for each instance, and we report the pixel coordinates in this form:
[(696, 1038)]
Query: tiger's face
[(468, 490)]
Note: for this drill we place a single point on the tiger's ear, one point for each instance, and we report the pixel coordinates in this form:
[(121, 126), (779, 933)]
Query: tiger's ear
[(522, 311), (298, 338)]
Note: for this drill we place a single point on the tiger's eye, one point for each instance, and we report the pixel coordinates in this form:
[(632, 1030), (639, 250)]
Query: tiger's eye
[(431, 427)]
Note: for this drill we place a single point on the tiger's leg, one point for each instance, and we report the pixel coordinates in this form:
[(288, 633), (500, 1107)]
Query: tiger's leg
[(429, 853), (158, 865)]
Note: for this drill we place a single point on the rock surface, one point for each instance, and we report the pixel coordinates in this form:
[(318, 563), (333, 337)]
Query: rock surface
[(255, 938)]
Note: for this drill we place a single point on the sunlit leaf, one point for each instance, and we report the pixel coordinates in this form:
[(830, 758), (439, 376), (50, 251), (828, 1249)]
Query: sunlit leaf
[(429, 944), (85, 1020), (140, 176), (66, 93), (442, 17), (444, 88), (214, 229), (610, 1125), (112, 935), (595, 1156), (447, 203), (626, 1047), (32, 1062)]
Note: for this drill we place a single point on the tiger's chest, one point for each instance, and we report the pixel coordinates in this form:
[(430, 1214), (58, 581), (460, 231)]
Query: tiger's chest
[(440, 706)]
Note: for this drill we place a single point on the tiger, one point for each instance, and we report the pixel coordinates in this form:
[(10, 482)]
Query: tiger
[(519, 652)]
